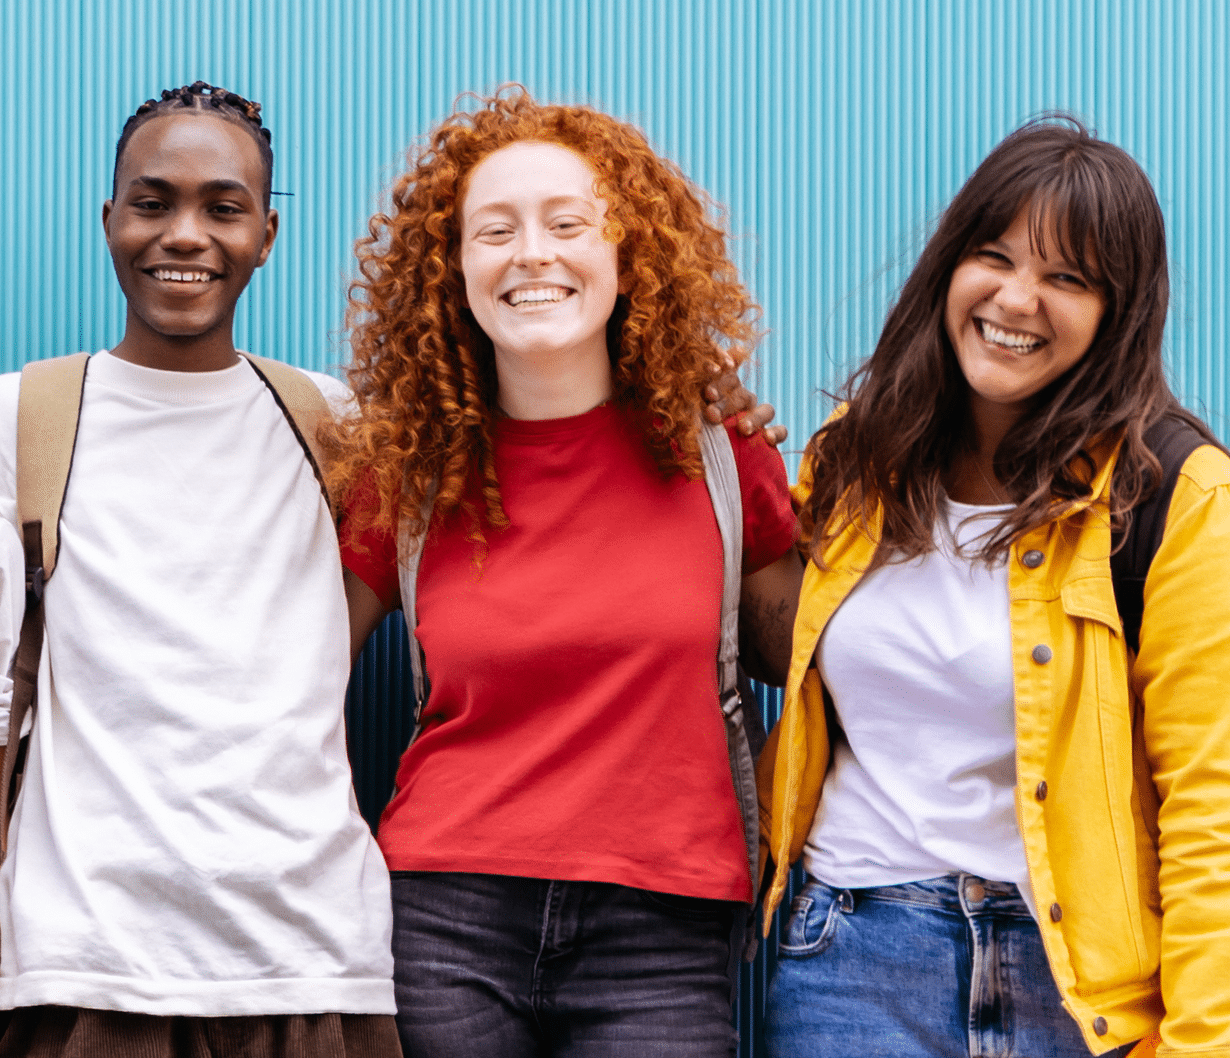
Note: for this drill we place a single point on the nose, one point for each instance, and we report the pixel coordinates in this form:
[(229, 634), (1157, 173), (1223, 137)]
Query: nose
[(534, 248), (184, 231), (1018, 294)]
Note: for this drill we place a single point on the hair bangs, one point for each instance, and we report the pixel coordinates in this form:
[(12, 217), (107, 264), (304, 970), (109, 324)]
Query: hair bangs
[(1065, 219)]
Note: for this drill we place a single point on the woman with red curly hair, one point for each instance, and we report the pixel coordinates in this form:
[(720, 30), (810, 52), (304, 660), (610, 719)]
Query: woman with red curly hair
[(532, 332)]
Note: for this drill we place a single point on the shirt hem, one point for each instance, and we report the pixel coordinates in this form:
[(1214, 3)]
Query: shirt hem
[(199, 998), (630, 875)]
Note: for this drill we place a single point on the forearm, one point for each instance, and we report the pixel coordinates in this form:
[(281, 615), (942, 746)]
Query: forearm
[(767, 606)]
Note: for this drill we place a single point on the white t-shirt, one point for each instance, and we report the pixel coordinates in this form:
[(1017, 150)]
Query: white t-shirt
[(187, 840), (918, 660)]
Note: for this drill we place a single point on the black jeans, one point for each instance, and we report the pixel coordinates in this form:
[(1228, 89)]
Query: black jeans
[(488, 965)]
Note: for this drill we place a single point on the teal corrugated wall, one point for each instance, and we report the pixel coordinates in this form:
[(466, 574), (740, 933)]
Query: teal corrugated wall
[(833, 132)]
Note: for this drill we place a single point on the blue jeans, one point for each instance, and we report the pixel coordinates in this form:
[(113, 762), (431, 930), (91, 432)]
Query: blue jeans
[(950, 967), (488, 966)]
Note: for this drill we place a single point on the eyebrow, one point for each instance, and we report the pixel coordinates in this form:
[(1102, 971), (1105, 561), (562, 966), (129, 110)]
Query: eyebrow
[(550, 203), (210, 186)]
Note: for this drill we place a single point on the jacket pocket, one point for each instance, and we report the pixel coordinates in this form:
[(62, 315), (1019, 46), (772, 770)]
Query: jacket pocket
[(1092, 598)]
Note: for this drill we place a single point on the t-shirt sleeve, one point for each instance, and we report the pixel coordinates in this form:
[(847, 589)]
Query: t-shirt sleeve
[(769, 525), (372, 555)]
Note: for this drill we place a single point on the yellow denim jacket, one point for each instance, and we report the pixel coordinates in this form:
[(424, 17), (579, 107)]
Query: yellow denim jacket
[(1123, 798)]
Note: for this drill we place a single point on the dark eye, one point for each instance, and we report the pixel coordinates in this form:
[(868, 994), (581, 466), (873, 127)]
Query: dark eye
[(227, 208), (151, 204), (569, 226), (1071, 279), (495, 232), (991, 256)]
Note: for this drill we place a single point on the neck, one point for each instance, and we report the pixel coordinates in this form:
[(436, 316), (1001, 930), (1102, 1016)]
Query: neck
[(971, 478), (564, 386), (214, 351)]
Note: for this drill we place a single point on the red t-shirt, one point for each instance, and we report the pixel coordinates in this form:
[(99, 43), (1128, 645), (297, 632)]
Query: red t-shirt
[(573, 728)]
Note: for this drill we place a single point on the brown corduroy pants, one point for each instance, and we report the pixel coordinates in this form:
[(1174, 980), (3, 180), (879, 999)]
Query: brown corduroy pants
[(73, 1032)]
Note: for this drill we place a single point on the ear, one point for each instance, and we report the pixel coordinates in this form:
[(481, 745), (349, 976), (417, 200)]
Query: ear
[(271, 233), (106, 219)]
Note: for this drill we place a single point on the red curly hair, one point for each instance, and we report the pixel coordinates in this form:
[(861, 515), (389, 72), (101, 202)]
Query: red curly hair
[(423, 373)]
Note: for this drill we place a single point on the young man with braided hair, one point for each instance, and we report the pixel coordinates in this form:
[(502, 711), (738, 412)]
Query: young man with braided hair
[(187, 870)]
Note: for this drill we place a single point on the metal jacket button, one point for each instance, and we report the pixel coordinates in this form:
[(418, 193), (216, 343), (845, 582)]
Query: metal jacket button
[(1056, 912), (1100, 1026), (1040, 792), (1042, 654), (1032, 559)]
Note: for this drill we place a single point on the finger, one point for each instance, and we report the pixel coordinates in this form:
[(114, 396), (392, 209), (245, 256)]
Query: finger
[(775, 435), (740, 399), (724, 382), (757, 418)]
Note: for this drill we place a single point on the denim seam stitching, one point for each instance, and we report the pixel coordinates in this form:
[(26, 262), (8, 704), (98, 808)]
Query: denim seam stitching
[(825, 937)]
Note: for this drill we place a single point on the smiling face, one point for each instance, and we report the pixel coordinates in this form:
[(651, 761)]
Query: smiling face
[(540, 277), (1018, 316), (186, 229)]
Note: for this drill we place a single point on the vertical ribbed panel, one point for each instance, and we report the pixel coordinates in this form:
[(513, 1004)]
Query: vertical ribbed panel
[(833, 132)]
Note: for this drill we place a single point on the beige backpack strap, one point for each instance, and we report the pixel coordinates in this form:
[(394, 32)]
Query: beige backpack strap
[(305, 409), (48, 410)]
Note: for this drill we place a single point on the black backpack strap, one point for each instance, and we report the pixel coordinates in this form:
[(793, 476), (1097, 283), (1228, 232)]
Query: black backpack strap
[(305, 409), (1171, 440)]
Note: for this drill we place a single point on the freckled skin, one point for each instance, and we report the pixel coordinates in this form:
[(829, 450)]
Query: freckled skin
[(532, 225)]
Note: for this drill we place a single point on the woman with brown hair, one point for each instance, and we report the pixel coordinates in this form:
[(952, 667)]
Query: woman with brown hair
[(534, 326), (1013, 822)]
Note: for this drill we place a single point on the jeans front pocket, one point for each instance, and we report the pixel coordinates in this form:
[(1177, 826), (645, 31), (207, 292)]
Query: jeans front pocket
[(813, 920)]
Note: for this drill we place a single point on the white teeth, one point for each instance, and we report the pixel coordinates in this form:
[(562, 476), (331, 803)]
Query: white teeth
[(182, 277), (1009, 339), (537, 296)]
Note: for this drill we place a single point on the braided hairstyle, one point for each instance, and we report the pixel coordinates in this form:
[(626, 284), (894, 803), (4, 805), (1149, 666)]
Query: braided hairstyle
[(201, 97)]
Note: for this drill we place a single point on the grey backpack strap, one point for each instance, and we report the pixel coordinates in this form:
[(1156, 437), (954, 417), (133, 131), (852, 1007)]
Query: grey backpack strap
[(409, 555), (305, 409), (48, 411), (722, 478)]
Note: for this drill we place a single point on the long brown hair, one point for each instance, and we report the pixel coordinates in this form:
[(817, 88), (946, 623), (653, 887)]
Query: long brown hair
[(907, 412), (424, 375)]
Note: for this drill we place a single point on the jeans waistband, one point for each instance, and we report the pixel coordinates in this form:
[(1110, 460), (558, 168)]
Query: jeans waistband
[(960, 893)]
